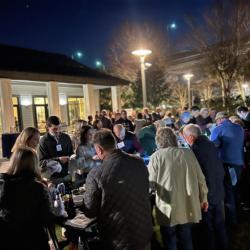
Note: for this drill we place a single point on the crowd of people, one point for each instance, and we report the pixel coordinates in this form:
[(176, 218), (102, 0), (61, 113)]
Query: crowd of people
[(196, 165)]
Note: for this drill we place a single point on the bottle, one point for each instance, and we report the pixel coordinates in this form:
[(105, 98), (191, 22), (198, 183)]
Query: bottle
[(71, 209), (80, 245)]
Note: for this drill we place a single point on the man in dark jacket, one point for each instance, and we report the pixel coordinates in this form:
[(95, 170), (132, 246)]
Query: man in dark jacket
[(117, 193), (212, 168), (55, 147), (125, 121), (127, 141), (106, 121)]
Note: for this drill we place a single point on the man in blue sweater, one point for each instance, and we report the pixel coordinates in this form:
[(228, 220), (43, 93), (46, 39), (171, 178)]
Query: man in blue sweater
[(229, 138)]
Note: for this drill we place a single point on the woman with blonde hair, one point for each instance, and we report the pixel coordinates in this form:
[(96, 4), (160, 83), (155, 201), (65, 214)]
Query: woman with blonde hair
[(29, 137), (25, 206)]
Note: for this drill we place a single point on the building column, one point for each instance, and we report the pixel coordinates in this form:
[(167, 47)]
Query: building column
[(89, 100), (97, 100), (7, 112), (53, 99), (116, 98)]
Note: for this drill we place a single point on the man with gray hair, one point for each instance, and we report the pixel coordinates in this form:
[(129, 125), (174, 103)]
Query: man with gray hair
[(212, 231), (126, 140)]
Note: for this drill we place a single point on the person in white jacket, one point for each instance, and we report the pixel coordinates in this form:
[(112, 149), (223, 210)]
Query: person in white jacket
[(181, 190)]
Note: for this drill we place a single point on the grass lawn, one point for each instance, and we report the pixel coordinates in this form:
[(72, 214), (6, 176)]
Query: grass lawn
[(239, 241)]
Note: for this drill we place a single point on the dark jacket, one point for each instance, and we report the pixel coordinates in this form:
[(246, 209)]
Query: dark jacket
[(106, 122), (212, 168), (126, 123), (47, 151), (131, 143), (25, 211), (246, 121), (117, 193)]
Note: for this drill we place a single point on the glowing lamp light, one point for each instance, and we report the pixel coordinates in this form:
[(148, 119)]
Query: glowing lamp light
[(26, 100), (173, 26), (98, 63), (79, 54), (188, 76), (244, 85), (62, 99), (142, 52), (147, 64)]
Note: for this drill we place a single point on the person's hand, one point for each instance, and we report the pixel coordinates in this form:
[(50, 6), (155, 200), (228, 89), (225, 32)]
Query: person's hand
[(72, 157), (96, 158), (209, 125), (64, 159), (204, 206)]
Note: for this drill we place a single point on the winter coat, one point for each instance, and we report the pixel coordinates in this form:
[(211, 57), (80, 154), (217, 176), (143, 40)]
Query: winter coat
[(117, 193), (212, 168), (25, 212), (180, 186)]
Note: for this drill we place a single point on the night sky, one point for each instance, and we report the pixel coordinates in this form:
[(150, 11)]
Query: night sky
[(67, 26)]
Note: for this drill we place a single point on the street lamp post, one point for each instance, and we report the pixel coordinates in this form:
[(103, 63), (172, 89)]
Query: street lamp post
[(142, 53), (188, 78)]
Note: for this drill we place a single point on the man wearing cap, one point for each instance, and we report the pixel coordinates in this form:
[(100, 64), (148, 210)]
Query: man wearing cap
[(229, 138)]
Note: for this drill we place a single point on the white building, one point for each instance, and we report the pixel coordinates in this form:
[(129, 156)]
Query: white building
[(35, 84)]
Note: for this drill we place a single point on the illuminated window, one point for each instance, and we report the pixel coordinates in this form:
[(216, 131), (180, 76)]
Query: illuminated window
[(17, 113), (1, 127), (76, 109), (40, 112)]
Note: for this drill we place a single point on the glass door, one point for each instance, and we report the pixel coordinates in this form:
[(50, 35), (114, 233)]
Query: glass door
[(17, 114), (40, 113)]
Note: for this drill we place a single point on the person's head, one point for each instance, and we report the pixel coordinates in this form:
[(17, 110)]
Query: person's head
[(24, 162), (78, 125), (212, 113), (191, 132), (119, 131), (185, 117), (145, 110), (195, 111), (104, 112), (158, 110), (242, 112), (204, 113), (124, 114), (117, 116), (86, 135), (139, 115), (236, 120), (221, 117), (53, 125), (104, 142), (154, 117), (97, 124), (29, 137), (159, 124), (90, 118), (165, 137)]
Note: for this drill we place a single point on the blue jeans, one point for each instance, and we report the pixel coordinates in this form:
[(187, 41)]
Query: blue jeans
[(231, 194), (213, 230), (177, 237)]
